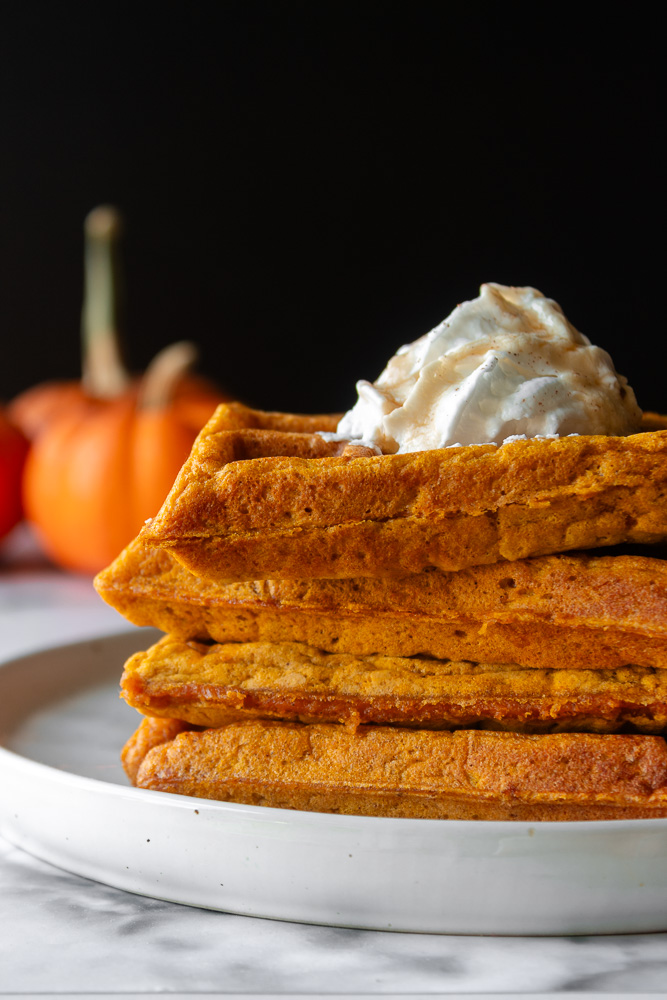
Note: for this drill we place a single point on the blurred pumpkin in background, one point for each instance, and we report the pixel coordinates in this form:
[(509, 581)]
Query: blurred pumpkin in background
[(105, 451), (13, 451)]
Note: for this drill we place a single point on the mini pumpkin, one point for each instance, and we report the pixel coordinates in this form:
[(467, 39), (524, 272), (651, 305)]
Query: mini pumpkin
[(105, 453), (100, 469), (104, 375)]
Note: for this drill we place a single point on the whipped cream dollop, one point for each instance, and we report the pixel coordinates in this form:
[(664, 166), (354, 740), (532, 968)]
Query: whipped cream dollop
[(506, 364)]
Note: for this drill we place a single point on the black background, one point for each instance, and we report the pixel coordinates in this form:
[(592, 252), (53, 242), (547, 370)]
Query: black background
[(306, 186)]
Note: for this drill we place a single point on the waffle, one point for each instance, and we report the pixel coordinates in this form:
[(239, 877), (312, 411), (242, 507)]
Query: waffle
[(347, 594), (151, 733), (577, 610), (258, 501), (383, 771), (214, 685)]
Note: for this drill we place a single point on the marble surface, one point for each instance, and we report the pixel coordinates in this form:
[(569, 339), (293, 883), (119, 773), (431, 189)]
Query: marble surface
[(92, 939)]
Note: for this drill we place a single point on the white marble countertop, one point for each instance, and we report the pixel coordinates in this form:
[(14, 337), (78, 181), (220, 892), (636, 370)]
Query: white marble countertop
[(63, 934)]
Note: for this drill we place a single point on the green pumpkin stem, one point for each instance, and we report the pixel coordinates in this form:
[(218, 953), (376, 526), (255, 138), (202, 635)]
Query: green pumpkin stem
[(104, 374), (164, 373)]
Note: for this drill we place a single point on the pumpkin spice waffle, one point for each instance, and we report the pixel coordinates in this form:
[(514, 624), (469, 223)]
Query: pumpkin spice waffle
[(151, 733), (213, 685), (342, 596), (577, 610), (385, 771), (256, 501)]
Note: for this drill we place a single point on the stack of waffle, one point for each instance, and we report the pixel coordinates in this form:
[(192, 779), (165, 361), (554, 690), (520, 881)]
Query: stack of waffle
[(440, 634)]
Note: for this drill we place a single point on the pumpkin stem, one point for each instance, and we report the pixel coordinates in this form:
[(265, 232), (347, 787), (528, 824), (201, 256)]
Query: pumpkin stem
[(104, 373), (164, 372)]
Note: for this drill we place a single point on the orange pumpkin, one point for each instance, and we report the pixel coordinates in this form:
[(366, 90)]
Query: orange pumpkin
[(34, 409), (99, 470), (13, 451), (104, 373), (105, 452)]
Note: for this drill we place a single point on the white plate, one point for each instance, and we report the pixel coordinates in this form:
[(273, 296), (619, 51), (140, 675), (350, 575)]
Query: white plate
[(64, 798)]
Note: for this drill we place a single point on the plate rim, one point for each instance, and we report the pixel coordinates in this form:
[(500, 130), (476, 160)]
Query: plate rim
[(339, 870)]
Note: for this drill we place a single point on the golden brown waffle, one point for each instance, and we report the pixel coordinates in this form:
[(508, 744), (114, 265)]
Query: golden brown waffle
[(381, 771), (264, 496), (151, 733), (574, 610), (653, 421), (255, 501), (214, 685)]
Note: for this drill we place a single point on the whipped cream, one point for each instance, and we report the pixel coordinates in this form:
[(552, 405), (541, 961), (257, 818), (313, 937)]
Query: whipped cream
[(505, 365)]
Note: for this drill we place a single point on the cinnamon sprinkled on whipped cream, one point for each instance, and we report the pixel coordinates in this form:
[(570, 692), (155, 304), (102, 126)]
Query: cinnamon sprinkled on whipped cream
[(504, 365)]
